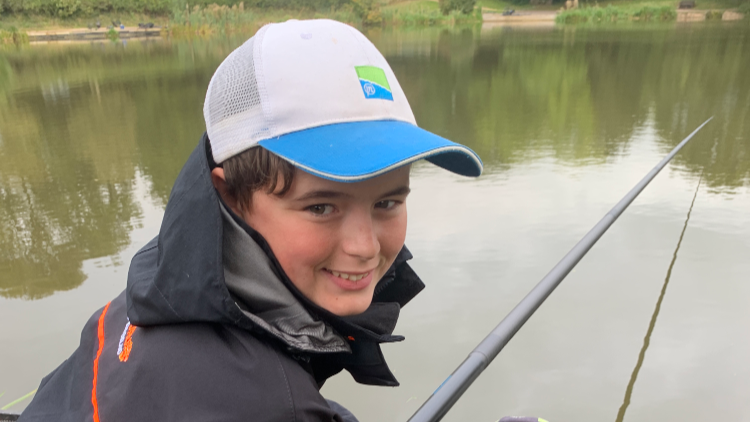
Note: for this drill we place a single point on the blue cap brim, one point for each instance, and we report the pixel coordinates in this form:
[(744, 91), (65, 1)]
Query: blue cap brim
[(350, 152)]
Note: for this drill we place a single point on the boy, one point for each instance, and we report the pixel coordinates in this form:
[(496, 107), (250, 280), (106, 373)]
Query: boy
[(280, 259)]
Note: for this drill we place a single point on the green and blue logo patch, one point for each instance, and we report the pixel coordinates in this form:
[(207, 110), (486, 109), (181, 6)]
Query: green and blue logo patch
[(373, 81)]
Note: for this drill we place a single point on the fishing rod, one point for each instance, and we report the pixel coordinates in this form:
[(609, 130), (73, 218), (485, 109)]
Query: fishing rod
[(459, 381)]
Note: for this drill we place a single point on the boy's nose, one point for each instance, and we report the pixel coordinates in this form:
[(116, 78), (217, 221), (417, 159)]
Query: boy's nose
[(359, 237)]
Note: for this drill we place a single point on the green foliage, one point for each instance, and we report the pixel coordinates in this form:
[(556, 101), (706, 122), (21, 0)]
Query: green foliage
[(83, 8), (113, 35), (13, 36), (464, 6), (661, 13), (745, 9), (413, 17), (614, 13), (368, 11), (713, 15), (210, 19), (67, 8), (426, 13), (315, 5), (589, 14)]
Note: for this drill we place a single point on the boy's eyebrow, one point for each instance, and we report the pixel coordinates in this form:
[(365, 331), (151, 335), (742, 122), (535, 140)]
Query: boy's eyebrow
[(401, 190), (324, 194), (321, 194)]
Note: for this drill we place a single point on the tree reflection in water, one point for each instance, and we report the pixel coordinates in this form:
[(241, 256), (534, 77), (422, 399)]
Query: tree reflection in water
[(77, 123)]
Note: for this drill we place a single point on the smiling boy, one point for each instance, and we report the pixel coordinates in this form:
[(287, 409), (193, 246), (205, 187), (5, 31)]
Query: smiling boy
[(280, 260), (334, 240)]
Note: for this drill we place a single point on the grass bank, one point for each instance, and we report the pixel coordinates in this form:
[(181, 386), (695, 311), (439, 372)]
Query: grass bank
[(224, 19), (425, 13), (595, 11), (699, 4), (13, 36), (610, 13), (641, 13), (221, 19)]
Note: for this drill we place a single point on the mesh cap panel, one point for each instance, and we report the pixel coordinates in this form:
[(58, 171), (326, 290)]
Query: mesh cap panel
[(233, 109)]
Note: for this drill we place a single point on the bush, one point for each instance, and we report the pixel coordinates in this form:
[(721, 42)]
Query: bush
[(13, 36), (744, 9), (67, 8), (413, 16), (614, 14), (591, 14), (202, 21), (662, 13), (464, 6), (113, 35), (368, 11)]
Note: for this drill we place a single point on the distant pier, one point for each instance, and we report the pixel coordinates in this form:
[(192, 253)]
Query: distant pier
[(84, 34)]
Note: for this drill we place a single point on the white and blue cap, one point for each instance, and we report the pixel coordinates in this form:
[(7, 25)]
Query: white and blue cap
[(320, 95)]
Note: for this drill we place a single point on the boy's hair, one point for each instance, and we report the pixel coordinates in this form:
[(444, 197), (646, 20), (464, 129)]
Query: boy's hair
[(253, 170)]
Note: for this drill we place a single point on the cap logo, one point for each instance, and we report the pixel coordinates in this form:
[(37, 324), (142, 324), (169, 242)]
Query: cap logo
[(374, 83)]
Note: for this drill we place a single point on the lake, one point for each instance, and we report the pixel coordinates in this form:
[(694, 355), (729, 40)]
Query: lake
[(652, 324)]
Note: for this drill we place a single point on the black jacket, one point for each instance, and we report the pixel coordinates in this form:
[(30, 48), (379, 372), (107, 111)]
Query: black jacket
[(211, 329)]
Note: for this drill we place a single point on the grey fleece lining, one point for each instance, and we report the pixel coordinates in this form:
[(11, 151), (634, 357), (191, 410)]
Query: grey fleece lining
[(263, 298)]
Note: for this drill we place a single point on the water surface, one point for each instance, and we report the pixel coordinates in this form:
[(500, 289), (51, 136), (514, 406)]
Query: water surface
[(566, 120)]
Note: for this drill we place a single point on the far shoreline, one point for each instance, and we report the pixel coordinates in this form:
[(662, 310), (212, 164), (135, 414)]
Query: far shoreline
[(51, 29)]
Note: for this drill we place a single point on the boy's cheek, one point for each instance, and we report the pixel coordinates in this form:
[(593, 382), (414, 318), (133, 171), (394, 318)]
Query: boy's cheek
[(392, 237), (302, 253)]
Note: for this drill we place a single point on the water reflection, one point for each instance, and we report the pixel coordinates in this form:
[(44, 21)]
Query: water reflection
[(65, 198), (580, 93), (78, 122)]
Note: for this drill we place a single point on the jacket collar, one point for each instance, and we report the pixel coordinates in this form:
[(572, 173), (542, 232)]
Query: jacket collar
[(263, 298)]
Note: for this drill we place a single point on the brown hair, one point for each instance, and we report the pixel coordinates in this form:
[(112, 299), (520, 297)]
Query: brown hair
[(256, 169)]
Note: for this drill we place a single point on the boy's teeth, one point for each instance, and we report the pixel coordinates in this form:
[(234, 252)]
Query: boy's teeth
[(349, 277)]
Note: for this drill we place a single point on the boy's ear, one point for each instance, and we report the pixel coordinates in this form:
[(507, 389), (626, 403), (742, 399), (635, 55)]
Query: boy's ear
[(220, 184)]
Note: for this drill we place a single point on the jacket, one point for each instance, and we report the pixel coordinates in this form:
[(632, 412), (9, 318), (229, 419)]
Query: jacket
[(210, 328)]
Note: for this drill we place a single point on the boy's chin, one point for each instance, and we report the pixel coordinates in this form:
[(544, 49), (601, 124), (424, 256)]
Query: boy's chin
[(347, 306)]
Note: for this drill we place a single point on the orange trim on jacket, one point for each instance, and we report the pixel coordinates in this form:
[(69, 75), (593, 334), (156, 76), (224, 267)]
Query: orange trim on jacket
[(100, 332)]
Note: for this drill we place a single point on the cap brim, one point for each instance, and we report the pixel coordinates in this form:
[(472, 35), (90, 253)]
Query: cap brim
[(350, 152)]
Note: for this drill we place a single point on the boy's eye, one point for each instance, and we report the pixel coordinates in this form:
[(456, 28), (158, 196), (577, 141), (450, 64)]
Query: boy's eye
[(320, 209), (387, 204)]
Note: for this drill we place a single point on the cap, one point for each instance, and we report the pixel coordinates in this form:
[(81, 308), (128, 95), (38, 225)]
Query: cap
[(320, 95)]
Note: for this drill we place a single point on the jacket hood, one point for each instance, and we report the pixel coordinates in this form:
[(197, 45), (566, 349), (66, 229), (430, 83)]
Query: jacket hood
[(189, 273)]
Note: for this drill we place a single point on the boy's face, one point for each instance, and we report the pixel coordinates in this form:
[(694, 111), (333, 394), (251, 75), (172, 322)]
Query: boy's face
[(335, 240)]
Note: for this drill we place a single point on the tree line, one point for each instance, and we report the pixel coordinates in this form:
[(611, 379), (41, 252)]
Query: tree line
[(85, 8)]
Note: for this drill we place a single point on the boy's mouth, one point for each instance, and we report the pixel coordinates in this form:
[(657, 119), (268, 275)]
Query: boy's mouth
[(348, 276)]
